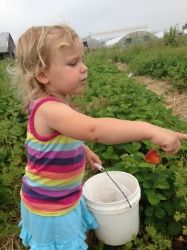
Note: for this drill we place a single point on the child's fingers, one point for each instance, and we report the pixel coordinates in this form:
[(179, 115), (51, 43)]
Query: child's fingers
[(172, 149), (182, 136), (92, 159), (95, 158)]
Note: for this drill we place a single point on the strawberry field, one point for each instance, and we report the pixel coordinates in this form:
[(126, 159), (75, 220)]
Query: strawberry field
[(110, 93)]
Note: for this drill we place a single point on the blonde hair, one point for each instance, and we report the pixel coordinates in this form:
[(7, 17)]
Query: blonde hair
[(33, 55)]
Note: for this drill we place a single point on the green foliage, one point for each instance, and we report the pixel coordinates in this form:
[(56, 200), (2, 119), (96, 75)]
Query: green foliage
[(150, 239), (158, 60), (164, 191), (12, 155), (171, 37), (163, 201)]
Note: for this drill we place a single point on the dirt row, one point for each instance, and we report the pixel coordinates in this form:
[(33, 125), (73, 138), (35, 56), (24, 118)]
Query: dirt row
[(173, 99)]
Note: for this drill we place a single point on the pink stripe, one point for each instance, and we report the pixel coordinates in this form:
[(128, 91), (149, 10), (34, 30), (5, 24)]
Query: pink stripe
[(56, 168), (34, 108), (55, 154), (64, 201), (53, 193), (50, 207)]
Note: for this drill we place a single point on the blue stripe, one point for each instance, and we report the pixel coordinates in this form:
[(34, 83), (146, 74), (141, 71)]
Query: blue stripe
[(54, 146), (56, 161), (35, 195)]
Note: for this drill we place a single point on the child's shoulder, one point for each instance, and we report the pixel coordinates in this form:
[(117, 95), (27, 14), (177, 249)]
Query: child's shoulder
[(48, 105), (41, 100), (41, 110), (56, 115), (43, 103)]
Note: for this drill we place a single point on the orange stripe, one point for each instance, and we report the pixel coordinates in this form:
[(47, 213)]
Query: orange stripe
[(47, 207), (56, 176)]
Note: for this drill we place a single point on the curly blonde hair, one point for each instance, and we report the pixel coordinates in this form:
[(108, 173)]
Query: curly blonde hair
[(33, 54)]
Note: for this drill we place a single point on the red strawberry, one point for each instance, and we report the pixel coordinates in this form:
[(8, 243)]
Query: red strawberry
[(152, 156)]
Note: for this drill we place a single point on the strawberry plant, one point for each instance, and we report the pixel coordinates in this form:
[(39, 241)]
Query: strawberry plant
[(12, 154), (162, 178)]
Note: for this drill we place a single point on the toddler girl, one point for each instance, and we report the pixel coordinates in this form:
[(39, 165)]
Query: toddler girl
[(50, 68)]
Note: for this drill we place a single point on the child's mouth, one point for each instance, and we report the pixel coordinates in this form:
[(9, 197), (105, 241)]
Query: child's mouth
[(84, 81)]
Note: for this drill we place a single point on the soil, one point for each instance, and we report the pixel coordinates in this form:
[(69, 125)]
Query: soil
[(173, 99)]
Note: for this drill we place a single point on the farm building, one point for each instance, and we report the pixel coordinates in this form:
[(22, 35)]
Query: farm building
[(7, 46), (124, 37), (159, 35), (91, 43), (127, 39)]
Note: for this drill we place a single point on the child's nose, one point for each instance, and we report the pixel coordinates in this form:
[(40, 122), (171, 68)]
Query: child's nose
[(84, 68)]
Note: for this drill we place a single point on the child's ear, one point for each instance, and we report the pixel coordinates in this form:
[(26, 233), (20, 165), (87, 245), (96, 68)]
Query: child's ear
[(42, 77)]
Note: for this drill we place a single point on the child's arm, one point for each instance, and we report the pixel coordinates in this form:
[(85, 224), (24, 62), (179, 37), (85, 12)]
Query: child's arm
[(64, 119)]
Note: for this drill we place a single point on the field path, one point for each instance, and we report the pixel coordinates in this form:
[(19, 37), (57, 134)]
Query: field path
[(173, 99)]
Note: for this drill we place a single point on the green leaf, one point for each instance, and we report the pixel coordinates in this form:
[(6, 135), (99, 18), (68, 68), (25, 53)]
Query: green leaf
[(168, 206), (17, 130), (161, 181), (148, 184), (5, 194), (128, 148), (110, 150), (152, 197), (162, 185), (136, 146), (149, 211), (174, 228), (146, 165), (160, 213), (162, 197), (109, 154), (3, 153)]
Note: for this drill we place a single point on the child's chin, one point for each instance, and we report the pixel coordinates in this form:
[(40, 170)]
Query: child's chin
[(81, 90), (77, 92)]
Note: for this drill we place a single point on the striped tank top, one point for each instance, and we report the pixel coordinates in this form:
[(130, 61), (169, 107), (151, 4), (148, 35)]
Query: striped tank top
[(52, 184)]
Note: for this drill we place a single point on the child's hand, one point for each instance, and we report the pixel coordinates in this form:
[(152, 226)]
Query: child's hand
[(91, 157), (168, 140)]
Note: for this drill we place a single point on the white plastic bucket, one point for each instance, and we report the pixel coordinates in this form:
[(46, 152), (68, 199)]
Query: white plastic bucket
[(118, 222)]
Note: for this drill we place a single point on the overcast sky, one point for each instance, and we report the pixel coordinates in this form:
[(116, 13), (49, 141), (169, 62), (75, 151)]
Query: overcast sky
[(91, 15)]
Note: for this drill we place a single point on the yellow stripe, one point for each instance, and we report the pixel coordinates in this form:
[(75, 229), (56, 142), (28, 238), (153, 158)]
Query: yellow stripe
[(58, 139), (51, 183), (54, 175)]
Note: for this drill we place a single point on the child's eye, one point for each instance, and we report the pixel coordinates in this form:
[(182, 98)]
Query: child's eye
[(72, 64)]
